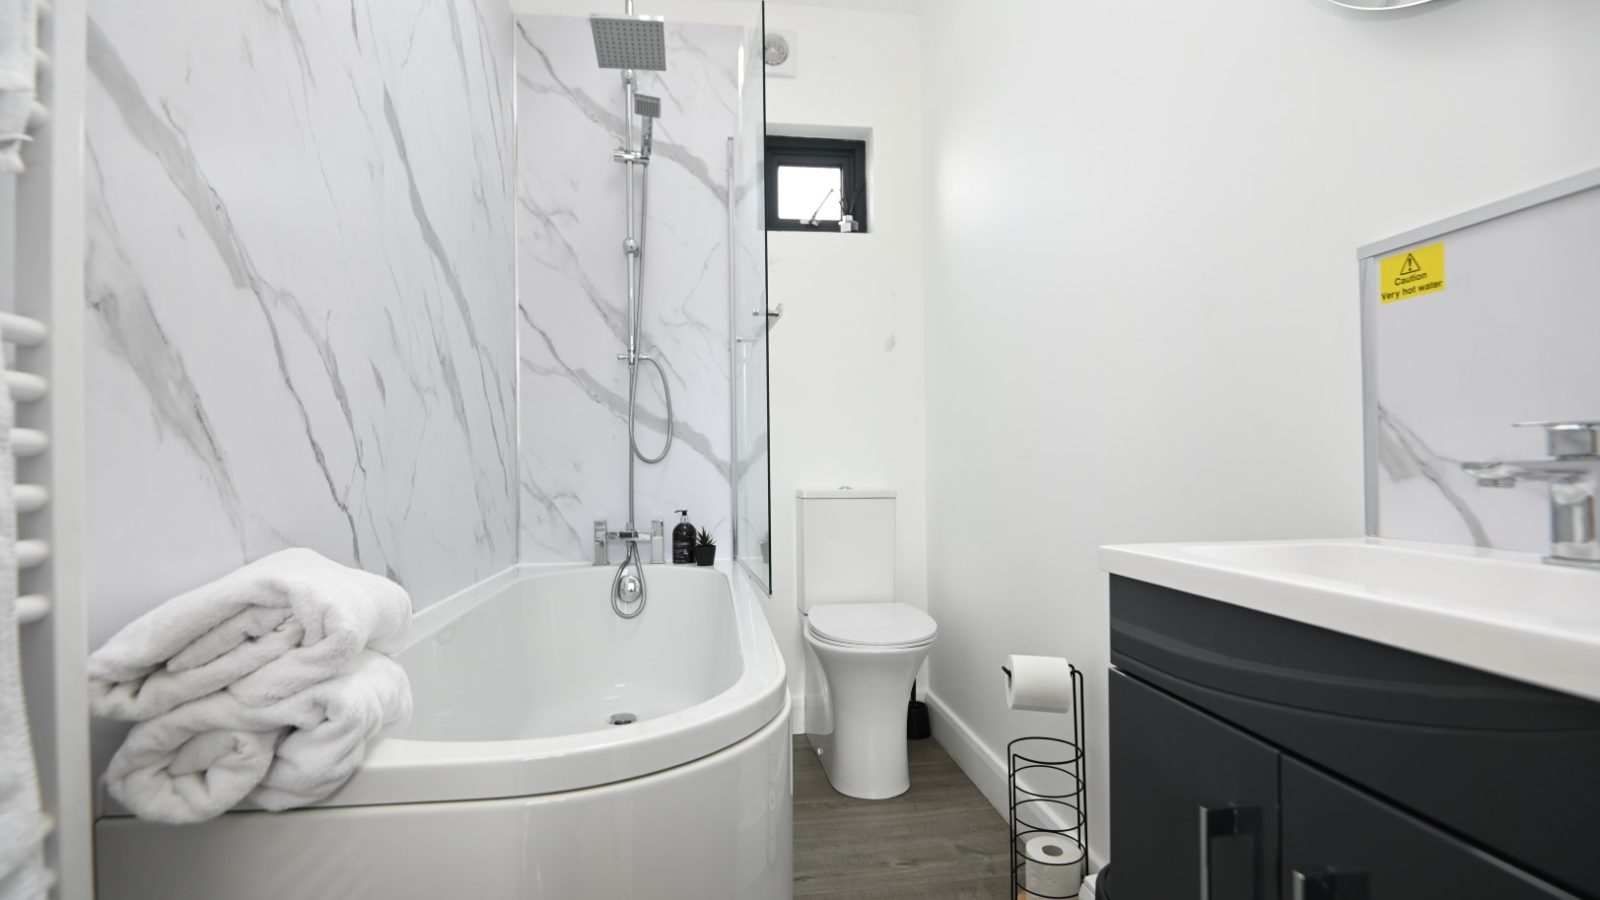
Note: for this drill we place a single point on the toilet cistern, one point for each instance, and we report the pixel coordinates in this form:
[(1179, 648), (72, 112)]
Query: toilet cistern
[(1573, 475)]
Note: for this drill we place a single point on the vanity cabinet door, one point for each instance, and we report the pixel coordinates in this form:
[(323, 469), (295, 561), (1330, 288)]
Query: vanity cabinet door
[(1194, 802), (1340, 843)]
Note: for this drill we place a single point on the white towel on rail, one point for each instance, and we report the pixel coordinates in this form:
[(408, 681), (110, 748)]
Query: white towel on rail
[(199, 760), (262, 633), (22, 830), (19, 43)]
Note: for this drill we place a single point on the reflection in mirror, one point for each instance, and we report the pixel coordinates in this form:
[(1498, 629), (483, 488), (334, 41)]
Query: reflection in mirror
[(1379, 4)]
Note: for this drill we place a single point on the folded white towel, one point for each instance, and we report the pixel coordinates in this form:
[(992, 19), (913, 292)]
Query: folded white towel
[(199, 760), (19, 40), (313, 761), (22, 872), (262, 633)]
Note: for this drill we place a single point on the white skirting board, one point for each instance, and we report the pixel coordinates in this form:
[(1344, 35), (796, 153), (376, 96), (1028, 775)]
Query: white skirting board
[(984, 766)]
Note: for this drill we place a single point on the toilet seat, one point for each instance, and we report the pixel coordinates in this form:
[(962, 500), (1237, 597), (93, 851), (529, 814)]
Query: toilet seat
[(867, 625)]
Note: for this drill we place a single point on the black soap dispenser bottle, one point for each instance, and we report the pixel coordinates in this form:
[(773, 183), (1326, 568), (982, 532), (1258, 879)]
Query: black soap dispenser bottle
[(683, 540)]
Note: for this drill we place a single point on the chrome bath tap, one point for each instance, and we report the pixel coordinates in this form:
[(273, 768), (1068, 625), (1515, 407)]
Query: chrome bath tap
[(627, 586), (1573, 475), (604, 537)]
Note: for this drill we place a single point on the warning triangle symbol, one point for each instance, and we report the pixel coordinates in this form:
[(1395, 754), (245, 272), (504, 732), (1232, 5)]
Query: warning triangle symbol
[(1410, 266)]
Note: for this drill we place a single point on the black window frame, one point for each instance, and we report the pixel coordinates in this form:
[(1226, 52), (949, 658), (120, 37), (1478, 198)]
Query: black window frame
[(848, 156)]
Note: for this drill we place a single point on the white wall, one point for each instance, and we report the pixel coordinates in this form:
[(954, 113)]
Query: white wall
[(1142, 306), (847, 357)]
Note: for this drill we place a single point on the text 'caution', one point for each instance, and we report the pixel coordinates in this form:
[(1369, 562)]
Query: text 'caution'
[(1411, 274)]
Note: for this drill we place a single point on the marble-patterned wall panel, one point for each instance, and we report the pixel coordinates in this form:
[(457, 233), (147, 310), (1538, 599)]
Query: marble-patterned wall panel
[(1509, 339), (572, 286), (301, 281)]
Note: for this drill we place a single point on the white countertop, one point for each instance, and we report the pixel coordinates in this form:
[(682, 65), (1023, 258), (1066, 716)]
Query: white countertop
[(1506, 613)]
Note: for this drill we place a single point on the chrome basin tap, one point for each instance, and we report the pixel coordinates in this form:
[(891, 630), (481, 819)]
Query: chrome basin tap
[(1573, 475)]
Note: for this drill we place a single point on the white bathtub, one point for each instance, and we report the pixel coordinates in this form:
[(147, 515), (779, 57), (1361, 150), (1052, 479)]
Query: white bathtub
[(510, 781)]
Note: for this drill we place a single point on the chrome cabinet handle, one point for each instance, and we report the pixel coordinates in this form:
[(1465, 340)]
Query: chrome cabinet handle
[(1229, 821), (1328, 884)]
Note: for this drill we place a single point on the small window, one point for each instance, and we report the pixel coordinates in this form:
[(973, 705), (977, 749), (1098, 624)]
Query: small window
[(812, 183)]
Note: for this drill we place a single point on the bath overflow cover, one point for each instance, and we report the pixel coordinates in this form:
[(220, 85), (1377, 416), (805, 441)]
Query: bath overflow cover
[(623, 718)]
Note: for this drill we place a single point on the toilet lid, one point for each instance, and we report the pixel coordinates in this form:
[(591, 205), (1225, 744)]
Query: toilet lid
[(872, 624)]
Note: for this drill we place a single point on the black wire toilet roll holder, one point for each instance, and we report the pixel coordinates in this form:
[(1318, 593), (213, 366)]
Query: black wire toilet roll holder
[(1047, 792)]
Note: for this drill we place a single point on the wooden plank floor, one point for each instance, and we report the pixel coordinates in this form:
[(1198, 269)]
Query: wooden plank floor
[(938, 841)]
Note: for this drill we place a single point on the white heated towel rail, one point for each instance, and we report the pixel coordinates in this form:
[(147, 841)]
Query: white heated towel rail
[(21, 331), (25, 387), (43, 335)]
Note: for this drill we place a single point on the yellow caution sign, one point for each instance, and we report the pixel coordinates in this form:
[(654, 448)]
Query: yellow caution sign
[(1411, 274)]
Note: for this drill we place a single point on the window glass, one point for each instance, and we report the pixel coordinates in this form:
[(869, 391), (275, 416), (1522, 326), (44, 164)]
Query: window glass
[(805, 192)]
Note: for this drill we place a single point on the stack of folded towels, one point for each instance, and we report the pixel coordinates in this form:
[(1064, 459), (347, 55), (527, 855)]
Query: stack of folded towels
[(267, 684)]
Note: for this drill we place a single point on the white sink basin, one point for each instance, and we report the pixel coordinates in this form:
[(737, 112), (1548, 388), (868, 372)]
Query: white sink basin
[(1507, 613)]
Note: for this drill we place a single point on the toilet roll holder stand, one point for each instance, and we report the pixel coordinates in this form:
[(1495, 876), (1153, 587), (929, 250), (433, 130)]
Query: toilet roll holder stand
[(1047, 791)]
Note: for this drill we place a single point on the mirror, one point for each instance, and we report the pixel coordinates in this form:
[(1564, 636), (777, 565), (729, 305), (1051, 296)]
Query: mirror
[(1379, 4)]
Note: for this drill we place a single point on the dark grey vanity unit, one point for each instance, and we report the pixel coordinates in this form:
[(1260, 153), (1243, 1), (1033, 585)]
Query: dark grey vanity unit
[(1258, 758)]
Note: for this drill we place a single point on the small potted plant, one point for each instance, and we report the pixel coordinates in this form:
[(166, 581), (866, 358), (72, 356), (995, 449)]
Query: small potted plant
[(705, 549)]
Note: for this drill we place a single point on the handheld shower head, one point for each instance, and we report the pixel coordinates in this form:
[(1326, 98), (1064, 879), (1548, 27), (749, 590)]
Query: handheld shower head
[(630, 42), (649, 109)]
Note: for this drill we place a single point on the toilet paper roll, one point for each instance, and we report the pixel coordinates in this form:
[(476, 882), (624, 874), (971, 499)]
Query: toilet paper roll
[(1039, 683), (1053, 866)]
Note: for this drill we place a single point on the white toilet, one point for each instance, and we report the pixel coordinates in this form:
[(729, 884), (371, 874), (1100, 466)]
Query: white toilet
[(863, 647)]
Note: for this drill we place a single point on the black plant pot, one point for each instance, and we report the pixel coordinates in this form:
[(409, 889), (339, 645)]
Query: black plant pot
[(705, 556)]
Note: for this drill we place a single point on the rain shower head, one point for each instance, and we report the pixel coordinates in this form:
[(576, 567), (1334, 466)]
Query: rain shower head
[(630, 42)]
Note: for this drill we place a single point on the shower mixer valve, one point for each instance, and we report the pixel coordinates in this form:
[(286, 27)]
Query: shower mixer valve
[(655, 537)]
